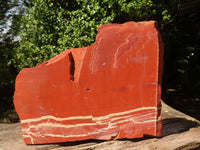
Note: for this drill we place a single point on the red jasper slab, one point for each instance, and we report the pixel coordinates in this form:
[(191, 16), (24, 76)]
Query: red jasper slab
[(109, 90)]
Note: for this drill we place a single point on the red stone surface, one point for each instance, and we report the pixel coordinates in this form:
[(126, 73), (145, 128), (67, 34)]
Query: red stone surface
[(109, 90)]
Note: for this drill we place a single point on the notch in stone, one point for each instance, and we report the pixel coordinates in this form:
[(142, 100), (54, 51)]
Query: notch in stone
[(72, 66)]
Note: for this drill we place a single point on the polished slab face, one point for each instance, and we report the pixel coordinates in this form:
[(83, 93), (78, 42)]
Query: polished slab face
[(109, 90)]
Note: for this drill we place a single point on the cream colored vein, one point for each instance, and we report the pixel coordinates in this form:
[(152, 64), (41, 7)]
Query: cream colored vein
[(87, 117)]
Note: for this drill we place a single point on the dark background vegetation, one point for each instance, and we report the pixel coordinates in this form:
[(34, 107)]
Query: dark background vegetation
[(32, 31)]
